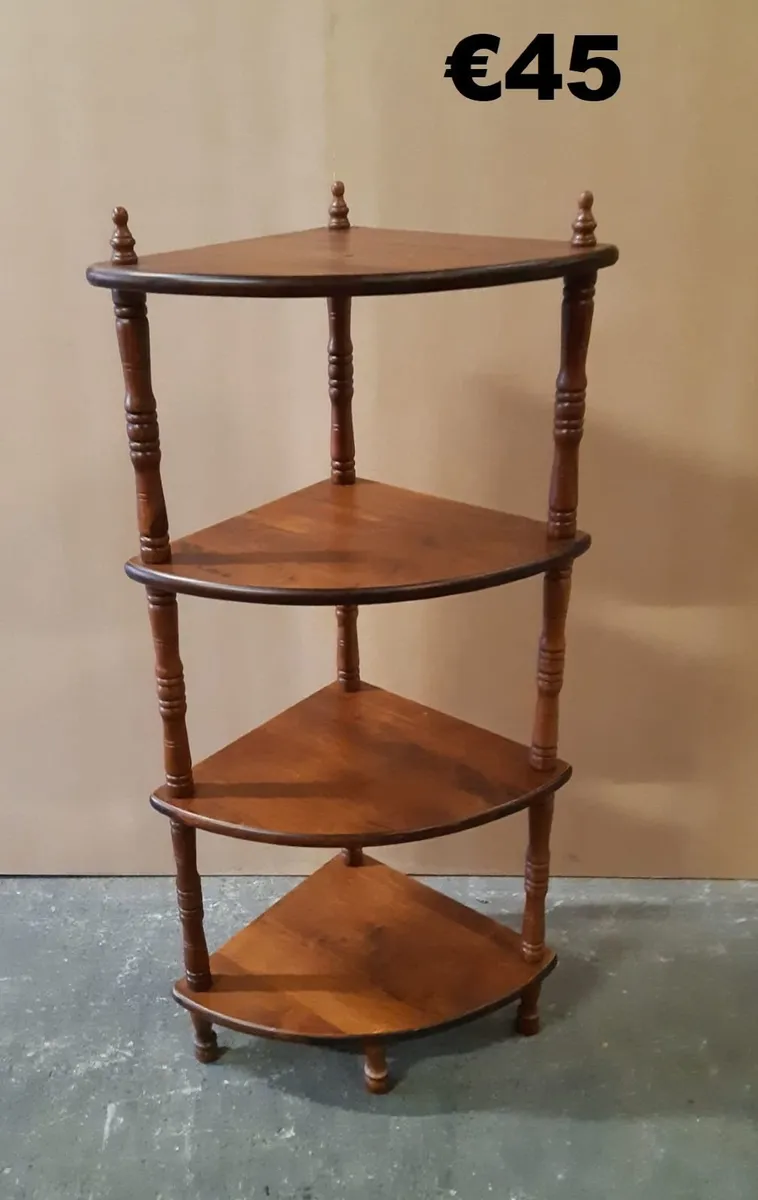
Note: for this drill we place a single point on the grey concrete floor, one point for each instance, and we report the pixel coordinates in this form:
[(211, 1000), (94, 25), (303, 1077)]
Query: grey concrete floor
[(643, 1082)]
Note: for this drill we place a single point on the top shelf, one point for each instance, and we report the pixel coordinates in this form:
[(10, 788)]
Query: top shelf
[(358, 261)]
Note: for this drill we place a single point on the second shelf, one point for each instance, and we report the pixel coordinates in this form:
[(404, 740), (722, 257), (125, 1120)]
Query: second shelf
[(365, 543), (365, 768)]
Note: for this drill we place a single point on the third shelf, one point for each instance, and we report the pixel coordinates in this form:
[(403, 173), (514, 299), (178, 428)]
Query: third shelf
[(364, 768)]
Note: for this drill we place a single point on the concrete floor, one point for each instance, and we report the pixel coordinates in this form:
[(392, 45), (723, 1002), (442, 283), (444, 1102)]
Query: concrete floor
[(643, 1082)]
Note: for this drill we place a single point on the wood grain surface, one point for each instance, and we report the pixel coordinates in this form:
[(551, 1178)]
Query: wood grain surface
[(359, 768), (354, 261), (369, 543), (363, 953)]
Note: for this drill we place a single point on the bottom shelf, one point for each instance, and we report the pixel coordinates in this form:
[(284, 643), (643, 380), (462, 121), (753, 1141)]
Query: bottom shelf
[(358, 953)]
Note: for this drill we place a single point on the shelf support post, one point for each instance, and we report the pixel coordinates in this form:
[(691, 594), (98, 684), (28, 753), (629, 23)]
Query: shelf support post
[(189, 894), (340, 352), (342, 447), (133, 333), (570, 393)]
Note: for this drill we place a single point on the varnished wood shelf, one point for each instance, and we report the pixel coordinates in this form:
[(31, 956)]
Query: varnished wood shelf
[(364, 768), (358, 261), (363, 954), (357, 953), (369, 543)]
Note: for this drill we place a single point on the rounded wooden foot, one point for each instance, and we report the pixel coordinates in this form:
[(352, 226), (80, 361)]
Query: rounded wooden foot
[(528, 1017), (375, 1071), (206, 1043)]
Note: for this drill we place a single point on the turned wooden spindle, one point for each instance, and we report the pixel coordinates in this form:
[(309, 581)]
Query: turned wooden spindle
[(537, 878), (338, 209), (340, 352), (142, 426), (348, 660), (570, 393), (375, 1071), (189, 895), (133, 333), (172, 698), (556, 590)]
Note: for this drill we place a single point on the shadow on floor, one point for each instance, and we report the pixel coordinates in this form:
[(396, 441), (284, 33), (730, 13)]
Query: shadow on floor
[(637, 1026)]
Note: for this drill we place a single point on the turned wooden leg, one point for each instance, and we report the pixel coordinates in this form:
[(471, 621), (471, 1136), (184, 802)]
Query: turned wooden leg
[(536, 879), (528, 1017), (206, 1044), (375, 1071), (189, 894)]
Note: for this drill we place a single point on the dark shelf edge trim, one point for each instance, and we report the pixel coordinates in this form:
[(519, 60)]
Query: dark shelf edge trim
[(458, 279), (336, 841), (402, 593)]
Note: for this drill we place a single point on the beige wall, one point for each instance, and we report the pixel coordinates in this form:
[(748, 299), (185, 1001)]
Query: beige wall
[(212, 120)]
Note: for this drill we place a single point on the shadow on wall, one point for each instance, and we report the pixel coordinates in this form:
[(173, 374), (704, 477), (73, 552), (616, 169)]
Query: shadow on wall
[(656, 710)]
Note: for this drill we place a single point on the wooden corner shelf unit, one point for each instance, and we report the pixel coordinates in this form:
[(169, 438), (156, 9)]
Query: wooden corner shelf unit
[(359, 953)]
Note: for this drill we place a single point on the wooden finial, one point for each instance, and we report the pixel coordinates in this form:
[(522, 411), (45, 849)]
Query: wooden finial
[(122, 242), (584, 223), (338, 209)]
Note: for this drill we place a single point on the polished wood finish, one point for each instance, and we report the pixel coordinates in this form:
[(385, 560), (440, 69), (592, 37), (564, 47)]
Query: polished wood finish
[(122, 243), (584, 226), (341, 389), (348, 661), (556, 589), (536, 878), (206, 1044), (570, 393), (358, 261), (366, 768), (353, 856), (189, 894), (340, 351), (527, 1015), (338, 208), (375, 1071), (172, 701), (370, 544), (133, 333), (363, 956), (358, 953)]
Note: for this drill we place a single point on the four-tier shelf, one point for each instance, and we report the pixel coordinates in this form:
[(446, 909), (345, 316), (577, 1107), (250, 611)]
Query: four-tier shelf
[(359, 953)]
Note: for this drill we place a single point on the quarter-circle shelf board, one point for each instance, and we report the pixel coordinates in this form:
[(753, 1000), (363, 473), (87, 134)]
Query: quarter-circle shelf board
[(362, 768), (367, 543), (357, 953), (360, 261)]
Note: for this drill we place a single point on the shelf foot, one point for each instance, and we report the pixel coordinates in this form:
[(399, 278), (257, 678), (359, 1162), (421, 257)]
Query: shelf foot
[(528, 1017), (206, 1044), (375, 1073)]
